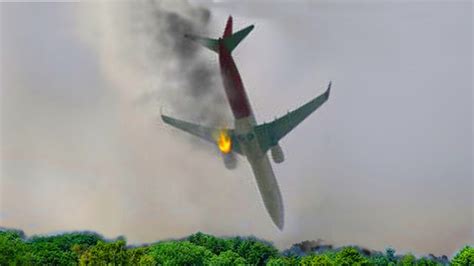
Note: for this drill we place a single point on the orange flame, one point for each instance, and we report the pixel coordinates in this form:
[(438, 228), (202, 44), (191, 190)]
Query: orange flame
[(224, 142)]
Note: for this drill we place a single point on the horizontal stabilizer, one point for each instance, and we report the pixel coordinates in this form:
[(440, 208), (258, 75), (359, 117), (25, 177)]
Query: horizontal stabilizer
[(211, 44), (269, 134)]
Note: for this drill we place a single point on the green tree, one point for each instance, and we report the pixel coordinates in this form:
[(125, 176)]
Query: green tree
[(65, 241), (46, 253), (139, 255), (13, 250), (63, 249), (254, 251), (319, 259), (180, 253), (464, 257), (78, 250), (390, 255), (380, 260), (146, 260), (408, 260), (350, 256), (228, 257), (283, 261), (212, 243), (104, 253), (427, 262)]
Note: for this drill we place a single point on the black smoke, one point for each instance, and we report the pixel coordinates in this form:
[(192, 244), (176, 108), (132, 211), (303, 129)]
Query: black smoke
[(191, 83)]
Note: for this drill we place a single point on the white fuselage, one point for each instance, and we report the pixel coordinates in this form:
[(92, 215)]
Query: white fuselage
[(244, 129), (261, 167)]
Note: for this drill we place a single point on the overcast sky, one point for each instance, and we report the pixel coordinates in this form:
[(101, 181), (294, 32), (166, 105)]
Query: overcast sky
[(387, 161)]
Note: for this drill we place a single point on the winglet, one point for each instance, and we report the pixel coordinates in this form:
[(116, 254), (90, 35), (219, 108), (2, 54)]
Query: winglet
[(328, 91)]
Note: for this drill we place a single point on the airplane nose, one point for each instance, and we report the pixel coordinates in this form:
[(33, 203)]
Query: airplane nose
[(269, 190), (276, 211), (280, 223)]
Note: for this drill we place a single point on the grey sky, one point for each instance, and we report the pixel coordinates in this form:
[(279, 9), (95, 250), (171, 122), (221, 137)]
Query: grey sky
[(387, 161)]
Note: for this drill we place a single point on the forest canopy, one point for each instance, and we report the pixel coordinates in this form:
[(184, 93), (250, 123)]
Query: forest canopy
[(88, 248)]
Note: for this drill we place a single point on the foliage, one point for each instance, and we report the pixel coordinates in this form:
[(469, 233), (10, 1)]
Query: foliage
[(139, 255), (13, 250), (380, 260), (84, 248), (283, 261), (427, 262), (319, 259), (228, 257), (254, 251), (214, 244), (65, 241), (390, 255), (464, 257), (105, 253), (350, 256), (61, 249), (46, 253), (180, 253), (408, 260), (388, 258)]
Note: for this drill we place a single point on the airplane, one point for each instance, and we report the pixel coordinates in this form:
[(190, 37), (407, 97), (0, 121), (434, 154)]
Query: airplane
[(248, 138)]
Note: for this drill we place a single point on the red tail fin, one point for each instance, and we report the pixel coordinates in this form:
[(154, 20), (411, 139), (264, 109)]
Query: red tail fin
[(228, 27)]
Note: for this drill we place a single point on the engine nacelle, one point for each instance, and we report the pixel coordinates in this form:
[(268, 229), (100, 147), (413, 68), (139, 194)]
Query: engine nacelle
[(277, 154), (230, 161)]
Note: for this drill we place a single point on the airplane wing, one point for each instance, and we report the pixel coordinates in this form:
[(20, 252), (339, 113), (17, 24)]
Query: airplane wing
[(206, 133), (269, 134)]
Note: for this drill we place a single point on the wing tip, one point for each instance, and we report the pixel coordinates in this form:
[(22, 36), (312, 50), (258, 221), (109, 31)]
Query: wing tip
[(166, 119), (163, 117), (328, 91)]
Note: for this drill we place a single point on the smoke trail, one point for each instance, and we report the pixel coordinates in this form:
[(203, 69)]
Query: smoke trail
[(147, 39)]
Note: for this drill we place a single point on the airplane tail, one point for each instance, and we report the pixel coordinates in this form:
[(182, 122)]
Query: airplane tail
[(229, 40)]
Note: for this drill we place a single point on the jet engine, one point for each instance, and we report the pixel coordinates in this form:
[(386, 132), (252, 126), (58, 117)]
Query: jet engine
[(230, 161), (277, 154)]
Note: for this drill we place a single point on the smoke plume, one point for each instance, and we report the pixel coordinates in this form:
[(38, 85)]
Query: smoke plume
[(147, 39)]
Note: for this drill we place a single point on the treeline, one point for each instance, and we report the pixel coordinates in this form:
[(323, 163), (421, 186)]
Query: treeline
[(87, 248)]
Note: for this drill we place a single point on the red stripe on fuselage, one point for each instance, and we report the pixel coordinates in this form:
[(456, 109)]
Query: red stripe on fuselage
[(233, 85)]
